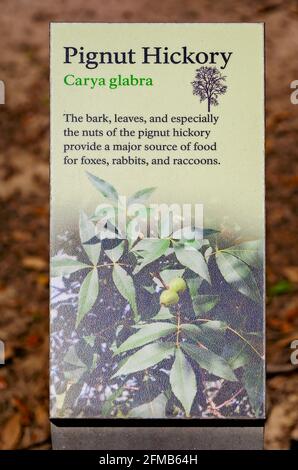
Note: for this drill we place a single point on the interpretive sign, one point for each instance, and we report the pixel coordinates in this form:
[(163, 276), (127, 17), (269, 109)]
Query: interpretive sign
[(157, 221)]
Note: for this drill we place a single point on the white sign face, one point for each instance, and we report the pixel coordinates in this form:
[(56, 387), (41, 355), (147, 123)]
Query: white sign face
[(157, 220)]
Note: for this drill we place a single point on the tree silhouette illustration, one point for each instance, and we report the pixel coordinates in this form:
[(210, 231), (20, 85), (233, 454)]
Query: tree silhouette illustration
[(208, 85)]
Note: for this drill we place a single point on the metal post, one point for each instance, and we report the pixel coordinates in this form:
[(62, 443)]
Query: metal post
[(157, 438)]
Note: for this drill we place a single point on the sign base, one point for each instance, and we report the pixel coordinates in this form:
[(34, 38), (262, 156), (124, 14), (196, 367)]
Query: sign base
[(157, 438)]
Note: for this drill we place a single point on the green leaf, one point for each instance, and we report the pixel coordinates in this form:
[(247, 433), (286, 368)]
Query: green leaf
[(255, 340), (214, 325), (238, 275), (208, 253), (115, 253), (237, 354), (78, 366), (194, 284), (90, 340), (153, 409), (87, 295), (137, 226), (211, 339), (87, 231), (158, 249), (204, 303), (192, 259), (71, 357), (167, 275), (163, 314), (106, 189), (132, 232), (125, 286), (183, 381), (146, 245), (146, 334), (107, 215), (165, 223), (108, 404), (148, 356), (209, 232), (249, 252), (74, 375), (95, 361), (280, 288), (196, 244), (63, 266), (150, 289), (141, 196), (210, 361), (59, 402), (253, 380), (192, 331), (106, 212)]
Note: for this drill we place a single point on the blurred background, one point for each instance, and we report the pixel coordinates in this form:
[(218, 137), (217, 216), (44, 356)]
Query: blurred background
[(24, 198)]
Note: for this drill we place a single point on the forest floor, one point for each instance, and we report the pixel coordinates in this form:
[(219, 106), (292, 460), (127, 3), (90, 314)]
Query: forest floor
[(24, 195)]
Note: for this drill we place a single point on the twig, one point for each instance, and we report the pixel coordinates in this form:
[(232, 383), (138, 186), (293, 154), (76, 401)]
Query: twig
[(246, 341), (111, 264), (158, 276), (230, 400), (178, 329)]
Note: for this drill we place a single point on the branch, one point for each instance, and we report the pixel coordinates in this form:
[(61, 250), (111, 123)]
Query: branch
[(158, 276), (230, 400)]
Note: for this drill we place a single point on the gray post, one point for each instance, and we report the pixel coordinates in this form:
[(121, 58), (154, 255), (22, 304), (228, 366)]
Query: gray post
[(157, 438)]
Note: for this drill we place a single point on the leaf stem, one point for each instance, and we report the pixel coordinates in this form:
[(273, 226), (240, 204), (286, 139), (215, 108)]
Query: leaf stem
[(215, 252), (246, 341), (236, 333), (158, 276), (178, 329), (110, 264)]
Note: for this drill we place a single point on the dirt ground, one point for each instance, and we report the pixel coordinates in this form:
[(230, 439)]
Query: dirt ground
[(24, 196)]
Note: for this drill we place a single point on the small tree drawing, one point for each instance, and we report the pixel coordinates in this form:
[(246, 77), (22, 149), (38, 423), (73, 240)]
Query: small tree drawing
[(208, 85)]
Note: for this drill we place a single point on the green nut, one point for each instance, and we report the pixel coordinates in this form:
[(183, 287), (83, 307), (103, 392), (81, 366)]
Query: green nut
[(168, 297), (178, 284)]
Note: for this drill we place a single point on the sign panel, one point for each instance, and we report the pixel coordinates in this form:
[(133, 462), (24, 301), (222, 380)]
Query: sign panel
[(157, 221)]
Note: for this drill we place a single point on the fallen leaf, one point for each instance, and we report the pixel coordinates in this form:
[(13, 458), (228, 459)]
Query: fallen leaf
[(32, 341), (291, 313), (41, 416), (292, 180), (42, 210), (275, 323), (275, 119), (21, 236), (11, 433), (3, 383), (43, 279), (291, 273), (34, 263), (24, 412)]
